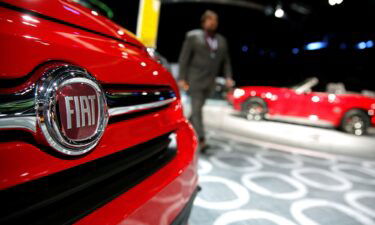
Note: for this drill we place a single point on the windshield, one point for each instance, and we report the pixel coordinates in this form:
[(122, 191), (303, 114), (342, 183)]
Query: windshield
[(312, 81)]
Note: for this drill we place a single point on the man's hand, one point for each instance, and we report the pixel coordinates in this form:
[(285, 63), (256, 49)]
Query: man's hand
[(183, 85), (229, 83)]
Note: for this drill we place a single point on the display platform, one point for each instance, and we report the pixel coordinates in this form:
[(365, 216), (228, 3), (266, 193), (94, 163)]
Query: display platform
[(219, 116), (268, 172), (245, 184)]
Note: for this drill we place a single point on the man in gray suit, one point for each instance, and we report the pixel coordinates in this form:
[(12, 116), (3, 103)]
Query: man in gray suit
[(204, 55)]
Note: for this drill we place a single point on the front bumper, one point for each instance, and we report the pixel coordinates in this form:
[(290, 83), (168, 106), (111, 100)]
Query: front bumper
[(162, 198), (146, 184), (183, 217)]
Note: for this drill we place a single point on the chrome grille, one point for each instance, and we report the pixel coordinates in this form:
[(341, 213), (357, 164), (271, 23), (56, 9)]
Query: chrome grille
[(17, 111)]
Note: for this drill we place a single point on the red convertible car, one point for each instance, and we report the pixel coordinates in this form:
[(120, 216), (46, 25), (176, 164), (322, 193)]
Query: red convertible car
[(348, 111), (91, 126)]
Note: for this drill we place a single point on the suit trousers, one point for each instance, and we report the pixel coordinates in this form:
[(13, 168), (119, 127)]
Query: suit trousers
[(198, 98)]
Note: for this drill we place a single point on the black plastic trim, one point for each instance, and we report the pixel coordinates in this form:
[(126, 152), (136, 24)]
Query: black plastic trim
[(183, 217), (121, 118), (67, 196)]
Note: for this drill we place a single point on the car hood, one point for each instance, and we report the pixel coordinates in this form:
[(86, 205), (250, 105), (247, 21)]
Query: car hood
[(73, 13)]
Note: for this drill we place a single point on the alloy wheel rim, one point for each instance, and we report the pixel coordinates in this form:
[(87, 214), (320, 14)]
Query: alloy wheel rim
[(255, 111), (355, 125)]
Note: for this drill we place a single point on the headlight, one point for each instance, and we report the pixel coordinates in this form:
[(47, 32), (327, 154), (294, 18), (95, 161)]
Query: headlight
[(238, 93)]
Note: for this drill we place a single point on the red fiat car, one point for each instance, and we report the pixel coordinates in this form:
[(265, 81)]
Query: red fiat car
[(351, 112), (91, 126)]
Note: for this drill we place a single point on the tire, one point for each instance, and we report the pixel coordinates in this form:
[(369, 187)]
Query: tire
[(355, 122), (254, 109)]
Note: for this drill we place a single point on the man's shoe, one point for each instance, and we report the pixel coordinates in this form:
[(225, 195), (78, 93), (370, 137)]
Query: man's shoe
[(203, 147)]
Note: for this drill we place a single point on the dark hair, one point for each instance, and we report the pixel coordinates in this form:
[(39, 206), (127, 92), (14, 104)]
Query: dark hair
[(208, 13)]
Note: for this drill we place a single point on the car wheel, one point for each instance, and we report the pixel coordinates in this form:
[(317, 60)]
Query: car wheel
[(254, 109), (355, 122)]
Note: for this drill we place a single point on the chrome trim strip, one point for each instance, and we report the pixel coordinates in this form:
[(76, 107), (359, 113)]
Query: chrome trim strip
[(19, 115), (18, 106), (129, 109), (19, 122), (131, 98)]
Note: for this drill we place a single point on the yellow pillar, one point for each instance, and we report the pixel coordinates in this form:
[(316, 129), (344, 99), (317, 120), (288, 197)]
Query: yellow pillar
[(148, 21)]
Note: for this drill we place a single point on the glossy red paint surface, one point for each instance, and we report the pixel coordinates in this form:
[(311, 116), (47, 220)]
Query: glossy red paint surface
[(31, 44), (319, 107), (72, 12), (40, 41)]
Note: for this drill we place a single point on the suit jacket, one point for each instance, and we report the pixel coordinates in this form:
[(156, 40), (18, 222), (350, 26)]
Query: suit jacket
[(198, 66)]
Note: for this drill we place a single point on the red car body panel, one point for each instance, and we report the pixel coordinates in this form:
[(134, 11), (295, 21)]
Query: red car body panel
[(320, 107), (31, 44), (73, 13)]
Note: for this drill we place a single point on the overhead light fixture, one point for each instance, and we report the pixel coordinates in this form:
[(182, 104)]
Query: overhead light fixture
[(335, 2), (316, 45), (245, 48), (279, 12), (361, 45), (369, 44)]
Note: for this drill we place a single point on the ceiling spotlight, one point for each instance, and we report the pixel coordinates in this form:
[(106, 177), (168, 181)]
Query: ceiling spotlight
[(316, 45), (335, 2), (245, 48), (369, 44), (279, 12), (361, 45)]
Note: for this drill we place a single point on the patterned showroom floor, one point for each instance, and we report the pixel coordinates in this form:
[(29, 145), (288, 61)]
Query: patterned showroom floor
[(248, 184)]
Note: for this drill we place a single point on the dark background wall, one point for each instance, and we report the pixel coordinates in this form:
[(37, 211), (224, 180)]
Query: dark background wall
[(261, 46)]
